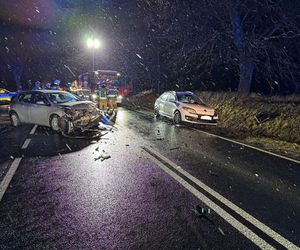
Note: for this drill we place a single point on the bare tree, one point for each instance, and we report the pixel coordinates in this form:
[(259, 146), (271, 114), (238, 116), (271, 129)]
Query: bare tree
[(249, 38)]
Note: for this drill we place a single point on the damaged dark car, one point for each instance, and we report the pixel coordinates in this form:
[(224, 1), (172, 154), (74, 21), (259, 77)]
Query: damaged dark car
[(60, 110)]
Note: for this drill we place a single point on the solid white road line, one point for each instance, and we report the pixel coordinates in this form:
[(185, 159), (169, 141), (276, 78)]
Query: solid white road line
[(267, 230), (237, 142), (9, 175), (33, 129), (26, 143), (226, 216), (249, 146)]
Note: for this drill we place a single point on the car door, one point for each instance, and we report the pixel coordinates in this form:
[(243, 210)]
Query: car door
[(39, 110), (23, 107), (170, 104), (162, 102)]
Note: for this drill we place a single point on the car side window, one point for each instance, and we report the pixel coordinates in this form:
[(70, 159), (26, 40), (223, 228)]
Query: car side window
[(171, 98), (27, 98), (40, 99)]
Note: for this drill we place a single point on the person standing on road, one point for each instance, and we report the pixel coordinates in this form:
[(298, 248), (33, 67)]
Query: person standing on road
[(56, 85), (37, 85)]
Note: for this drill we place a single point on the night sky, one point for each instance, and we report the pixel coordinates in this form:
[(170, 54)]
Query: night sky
[(187, 43)]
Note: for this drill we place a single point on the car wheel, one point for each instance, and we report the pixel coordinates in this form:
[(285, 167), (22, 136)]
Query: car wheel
[(156, 113), (177, 117), (14, 119), (54, 123)]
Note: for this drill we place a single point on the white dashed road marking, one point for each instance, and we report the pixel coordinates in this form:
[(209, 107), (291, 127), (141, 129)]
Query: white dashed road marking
[(26, 143), (14, 166), (33, 129), (9, 175)]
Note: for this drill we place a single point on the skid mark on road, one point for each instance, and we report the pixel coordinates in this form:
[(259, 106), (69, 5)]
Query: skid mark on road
[(159, 159)]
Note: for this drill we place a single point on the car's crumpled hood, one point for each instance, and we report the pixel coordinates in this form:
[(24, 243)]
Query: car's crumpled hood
[(200, 109), (78, 105)]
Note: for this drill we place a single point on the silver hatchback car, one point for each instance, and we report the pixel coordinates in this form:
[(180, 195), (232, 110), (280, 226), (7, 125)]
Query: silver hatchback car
[(60, 110), (185, 107)]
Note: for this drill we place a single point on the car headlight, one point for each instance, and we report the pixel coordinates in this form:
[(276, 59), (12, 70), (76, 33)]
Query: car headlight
[(120, 97), (94, 96), (190, 110)]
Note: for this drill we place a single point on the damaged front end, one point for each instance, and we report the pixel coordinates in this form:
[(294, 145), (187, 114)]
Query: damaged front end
[(79, 119)]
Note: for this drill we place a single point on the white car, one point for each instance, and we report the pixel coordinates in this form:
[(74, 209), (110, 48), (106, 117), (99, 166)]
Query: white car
[(59, 110), (184, 107)]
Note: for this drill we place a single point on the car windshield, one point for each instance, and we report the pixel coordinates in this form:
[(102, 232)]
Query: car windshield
[(189, 98), (62, 97)]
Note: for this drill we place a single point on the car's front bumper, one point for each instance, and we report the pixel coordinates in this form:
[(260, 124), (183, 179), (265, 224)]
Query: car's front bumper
[(196, 119)]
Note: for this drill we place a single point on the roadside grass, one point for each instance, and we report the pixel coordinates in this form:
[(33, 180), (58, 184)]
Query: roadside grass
[(269, 122)]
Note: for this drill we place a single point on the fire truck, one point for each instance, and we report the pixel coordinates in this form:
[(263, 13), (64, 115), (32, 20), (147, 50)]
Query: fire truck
[(106, 88)]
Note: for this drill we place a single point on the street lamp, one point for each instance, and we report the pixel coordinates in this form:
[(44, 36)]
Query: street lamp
[(93, 43)]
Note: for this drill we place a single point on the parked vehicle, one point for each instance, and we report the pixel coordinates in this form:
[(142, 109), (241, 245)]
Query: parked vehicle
[(185, 107), (6, 96), (60, 110), (84, 94)]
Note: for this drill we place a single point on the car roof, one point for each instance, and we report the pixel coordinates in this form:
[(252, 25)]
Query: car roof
[(45, 91), (185, 93)]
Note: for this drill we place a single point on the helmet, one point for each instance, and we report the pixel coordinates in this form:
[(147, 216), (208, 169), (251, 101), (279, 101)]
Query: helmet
[(37, 83), (48, 85), (56, 82)]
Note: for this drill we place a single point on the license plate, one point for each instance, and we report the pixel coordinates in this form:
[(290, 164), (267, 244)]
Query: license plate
[(206, 117)]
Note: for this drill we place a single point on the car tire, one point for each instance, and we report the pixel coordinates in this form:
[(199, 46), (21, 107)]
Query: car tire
[(54, 123), (177, 117), (156, 113), (14, 119)]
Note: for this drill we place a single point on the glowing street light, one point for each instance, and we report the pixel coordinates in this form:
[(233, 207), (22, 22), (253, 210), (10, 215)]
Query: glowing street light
[(93, 43)]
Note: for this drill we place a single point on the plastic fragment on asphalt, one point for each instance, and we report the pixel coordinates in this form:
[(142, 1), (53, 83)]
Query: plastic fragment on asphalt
[(10, 218), (256, 175), (11, 157), (105, 157), (102, 157), (221, 231), (68, 147)]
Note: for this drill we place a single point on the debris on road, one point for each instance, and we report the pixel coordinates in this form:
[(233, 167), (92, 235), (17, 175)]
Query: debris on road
[(212, 173), (68, 147), (202, 213), (102, 157), (221, 231)]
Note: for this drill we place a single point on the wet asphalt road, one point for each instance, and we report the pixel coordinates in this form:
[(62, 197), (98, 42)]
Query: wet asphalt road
[(65, 196)]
